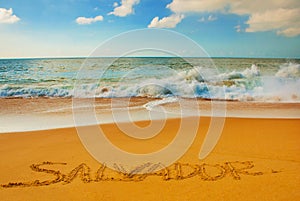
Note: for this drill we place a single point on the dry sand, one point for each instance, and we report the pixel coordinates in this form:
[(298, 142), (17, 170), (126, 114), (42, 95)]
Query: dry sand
[(255, 159)]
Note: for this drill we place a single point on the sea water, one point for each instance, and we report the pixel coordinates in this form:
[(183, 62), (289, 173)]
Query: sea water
[(242, 79)]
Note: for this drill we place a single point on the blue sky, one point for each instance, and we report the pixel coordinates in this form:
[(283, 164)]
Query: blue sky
[(62, 28)]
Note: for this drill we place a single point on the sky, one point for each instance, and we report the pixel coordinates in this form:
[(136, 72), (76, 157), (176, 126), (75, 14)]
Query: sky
[(223, 28)]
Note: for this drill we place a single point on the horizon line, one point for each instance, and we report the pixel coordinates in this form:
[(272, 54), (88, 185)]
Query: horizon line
[(160, 56)]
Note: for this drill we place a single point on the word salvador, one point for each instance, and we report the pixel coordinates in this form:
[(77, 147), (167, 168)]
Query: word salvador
[(177, 171)]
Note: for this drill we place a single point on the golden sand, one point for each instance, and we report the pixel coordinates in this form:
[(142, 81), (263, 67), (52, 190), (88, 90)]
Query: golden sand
[(255, 159)]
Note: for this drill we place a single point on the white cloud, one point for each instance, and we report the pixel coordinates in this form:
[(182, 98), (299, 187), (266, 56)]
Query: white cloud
[(84, 20), (126, 8), (210, 18), (238, 28), (202, 19), (230, 6), (290, 32), (282, 16), (285, 21), (166, 22), (115, 4), (181, 6), (243, 7), (7, 17)]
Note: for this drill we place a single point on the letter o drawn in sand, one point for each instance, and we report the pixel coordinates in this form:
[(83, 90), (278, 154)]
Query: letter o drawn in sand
[(106, 58)]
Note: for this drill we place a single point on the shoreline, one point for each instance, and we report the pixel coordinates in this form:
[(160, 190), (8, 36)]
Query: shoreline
[(20, 114)]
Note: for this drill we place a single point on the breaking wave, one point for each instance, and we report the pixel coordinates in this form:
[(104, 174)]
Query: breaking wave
[(248, 84)]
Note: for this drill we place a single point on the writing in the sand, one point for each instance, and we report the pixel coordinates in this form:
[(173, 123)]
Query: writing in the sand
[(178, 171)]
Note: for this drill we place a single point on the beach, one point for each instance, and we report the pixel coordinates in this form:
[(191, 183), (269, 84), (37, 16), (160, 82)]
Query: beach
[(177, 100), (254, 159)]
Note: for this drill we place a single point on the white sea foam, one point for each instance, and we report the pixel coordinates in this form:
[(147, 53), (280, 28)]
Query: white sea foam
[(289, 70), (246, 85), (152, 104)]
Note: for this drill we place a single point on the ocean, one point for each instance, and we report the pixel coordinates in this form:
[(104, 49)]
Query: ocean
[(241, 79)]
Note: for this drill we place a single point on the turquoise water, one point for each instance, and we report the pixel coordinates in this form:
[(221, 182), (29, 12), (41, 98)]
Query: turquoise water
[(237, 79)]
